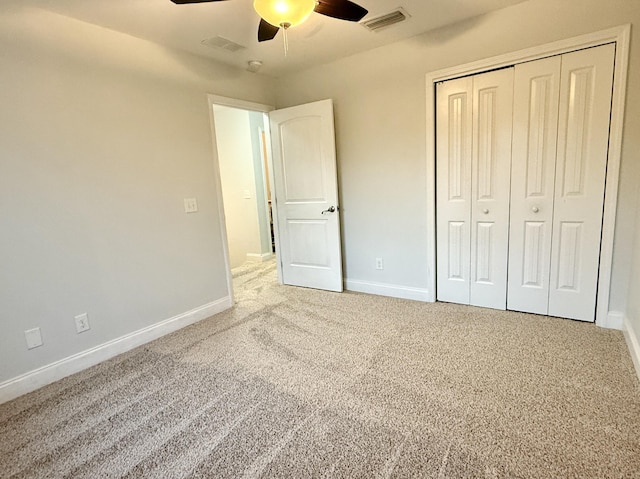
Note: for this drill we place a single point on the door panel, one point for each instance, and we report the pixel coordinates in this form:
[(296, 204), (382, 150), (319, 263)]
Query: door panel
[(570, 239), (303, 168), (307, 243), (453, 170), (583, 134), (535, 126), (306, 188), (491, 172), (534, 261)]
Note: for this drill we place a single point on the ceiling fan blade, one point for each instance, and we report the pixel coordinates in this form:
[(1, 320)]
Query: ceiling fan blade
[(183, 2), (342, 9), (266, 31)]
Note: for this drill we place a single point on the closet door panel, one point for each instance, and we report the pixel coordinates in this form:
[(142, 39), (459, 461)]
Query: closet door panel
[(535, 125), (583, 134), (453, 176), (491, 167)]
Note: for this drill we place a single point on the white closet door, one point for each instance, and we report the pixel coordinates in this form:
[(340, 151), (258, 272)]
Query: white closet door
[(491, 177), (583, 133), (535, 126), (453, 169)]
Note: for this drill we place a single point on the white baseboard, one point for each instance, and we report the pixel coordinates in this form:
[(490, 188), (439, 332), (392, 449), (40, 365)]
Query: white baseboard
[(633, 341), (259, 258), (70, 365), (383, 289), (613, 320)]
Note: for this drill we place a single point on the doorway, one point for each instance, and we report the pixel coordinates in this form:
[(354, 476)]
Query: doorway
[(240, 138), (299, 176), (240, 132)]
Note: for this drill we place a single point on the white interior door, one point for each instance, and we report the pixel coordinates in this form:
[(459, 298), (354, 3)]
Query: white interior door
[(454, 144), (535, 127), (491, 177), (583, 135), (306, 195)]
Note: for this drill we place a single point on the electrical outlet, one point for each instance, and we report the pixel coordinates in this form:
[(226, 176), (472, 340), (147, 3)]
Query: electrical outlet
[(33, 337), (82, 323), (379, 263), (190, 205)]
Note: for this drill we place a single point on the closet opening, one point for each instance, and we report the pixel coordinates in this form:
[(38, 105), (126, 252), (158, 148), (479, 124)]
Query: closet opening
[(526, 197)]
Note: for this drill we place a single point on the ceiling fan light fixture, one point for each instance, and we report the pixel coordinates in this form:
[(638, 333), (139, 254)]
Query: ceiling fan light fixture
[(284, 13)]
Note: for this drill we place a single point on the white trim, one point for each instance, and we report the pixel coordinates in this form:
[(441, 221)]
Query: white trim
[(222, 222), (633, 342), (384, 289), (274, 199), (613, 173), (50, 373), (621, 36), (242, 104), (259, 258), (614, 320)]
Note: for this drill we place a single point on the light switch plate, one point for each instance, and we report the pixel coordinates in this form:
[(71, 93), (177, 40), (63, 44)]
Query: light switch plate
[(33, 337), (190, 205)]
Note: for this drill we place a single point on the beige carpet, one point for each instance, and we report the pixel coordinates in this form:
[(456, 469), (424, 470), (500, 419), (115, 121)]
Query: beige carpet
[(297, 383)]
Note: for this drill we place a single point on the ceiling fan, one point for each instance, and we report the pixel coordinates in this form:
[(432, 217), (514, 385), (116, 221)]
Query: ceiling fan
[(277, 14)]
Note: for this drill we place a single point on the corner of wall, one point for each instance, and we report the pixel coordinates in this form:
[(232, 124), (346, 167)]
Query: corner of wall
[(633, 342)]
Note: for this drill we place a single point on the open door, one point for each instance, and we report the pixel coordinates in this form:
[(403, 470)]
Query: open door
[(306, 195)]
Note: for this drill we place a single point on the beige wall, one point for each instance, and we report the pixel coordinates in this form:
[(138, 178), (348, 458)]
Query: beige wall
[(380, 120), (102, 136)]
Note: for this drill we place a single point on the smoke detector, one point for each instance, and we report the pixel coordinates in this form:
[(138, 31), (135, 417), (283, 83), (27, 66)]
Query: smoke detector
[(254, 65)]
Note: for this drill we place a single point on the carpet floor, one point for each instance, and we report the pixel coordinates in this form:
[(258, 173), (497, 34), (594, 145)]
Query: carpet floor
[(299, 383)]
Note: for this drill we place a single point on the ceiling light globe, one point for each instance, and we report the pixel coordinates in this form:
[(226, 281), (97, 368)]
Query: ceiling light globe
[(284, 12)]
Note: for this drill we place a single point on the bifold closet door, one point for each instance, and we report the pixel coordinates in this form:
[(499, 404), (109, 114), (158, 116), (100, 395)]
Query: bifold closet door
[(535, 128), (473, 117), (581, 166), (560, 145), (490, 180), (454, 118)]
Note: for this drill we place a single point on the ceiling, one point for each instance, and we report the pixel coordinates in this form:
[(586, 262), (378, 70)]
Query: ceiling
[(319, 40)]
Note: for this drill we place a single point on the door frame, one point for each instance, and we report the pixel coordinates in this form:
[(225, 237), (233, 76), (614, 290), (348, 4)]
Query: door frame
[(250, 106), (621, 37)]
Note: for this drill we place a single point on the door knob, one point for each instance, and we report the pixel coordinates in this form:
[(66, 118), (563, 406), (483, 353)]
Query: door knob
[(485, 211), (535, 209), (331, 209)]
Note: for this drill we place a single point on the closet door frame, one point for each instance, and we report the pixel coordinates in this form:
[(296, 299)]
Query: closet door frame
[(621, 37)]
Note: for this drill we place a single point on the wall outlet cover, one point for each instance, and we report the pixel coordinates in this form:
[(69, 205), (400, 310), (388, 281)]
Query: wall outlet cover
[(33, 337), (190, 205), (82, 323)]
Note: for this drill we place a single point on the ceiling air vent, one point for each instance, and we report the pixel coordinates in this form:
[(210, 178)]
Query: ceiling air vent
[(384, 21), (223, 43)]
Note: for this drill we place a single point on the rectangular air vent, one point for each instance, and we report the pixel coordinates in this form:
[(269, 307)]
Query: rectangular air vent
[(384, 21), (223, 43)]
